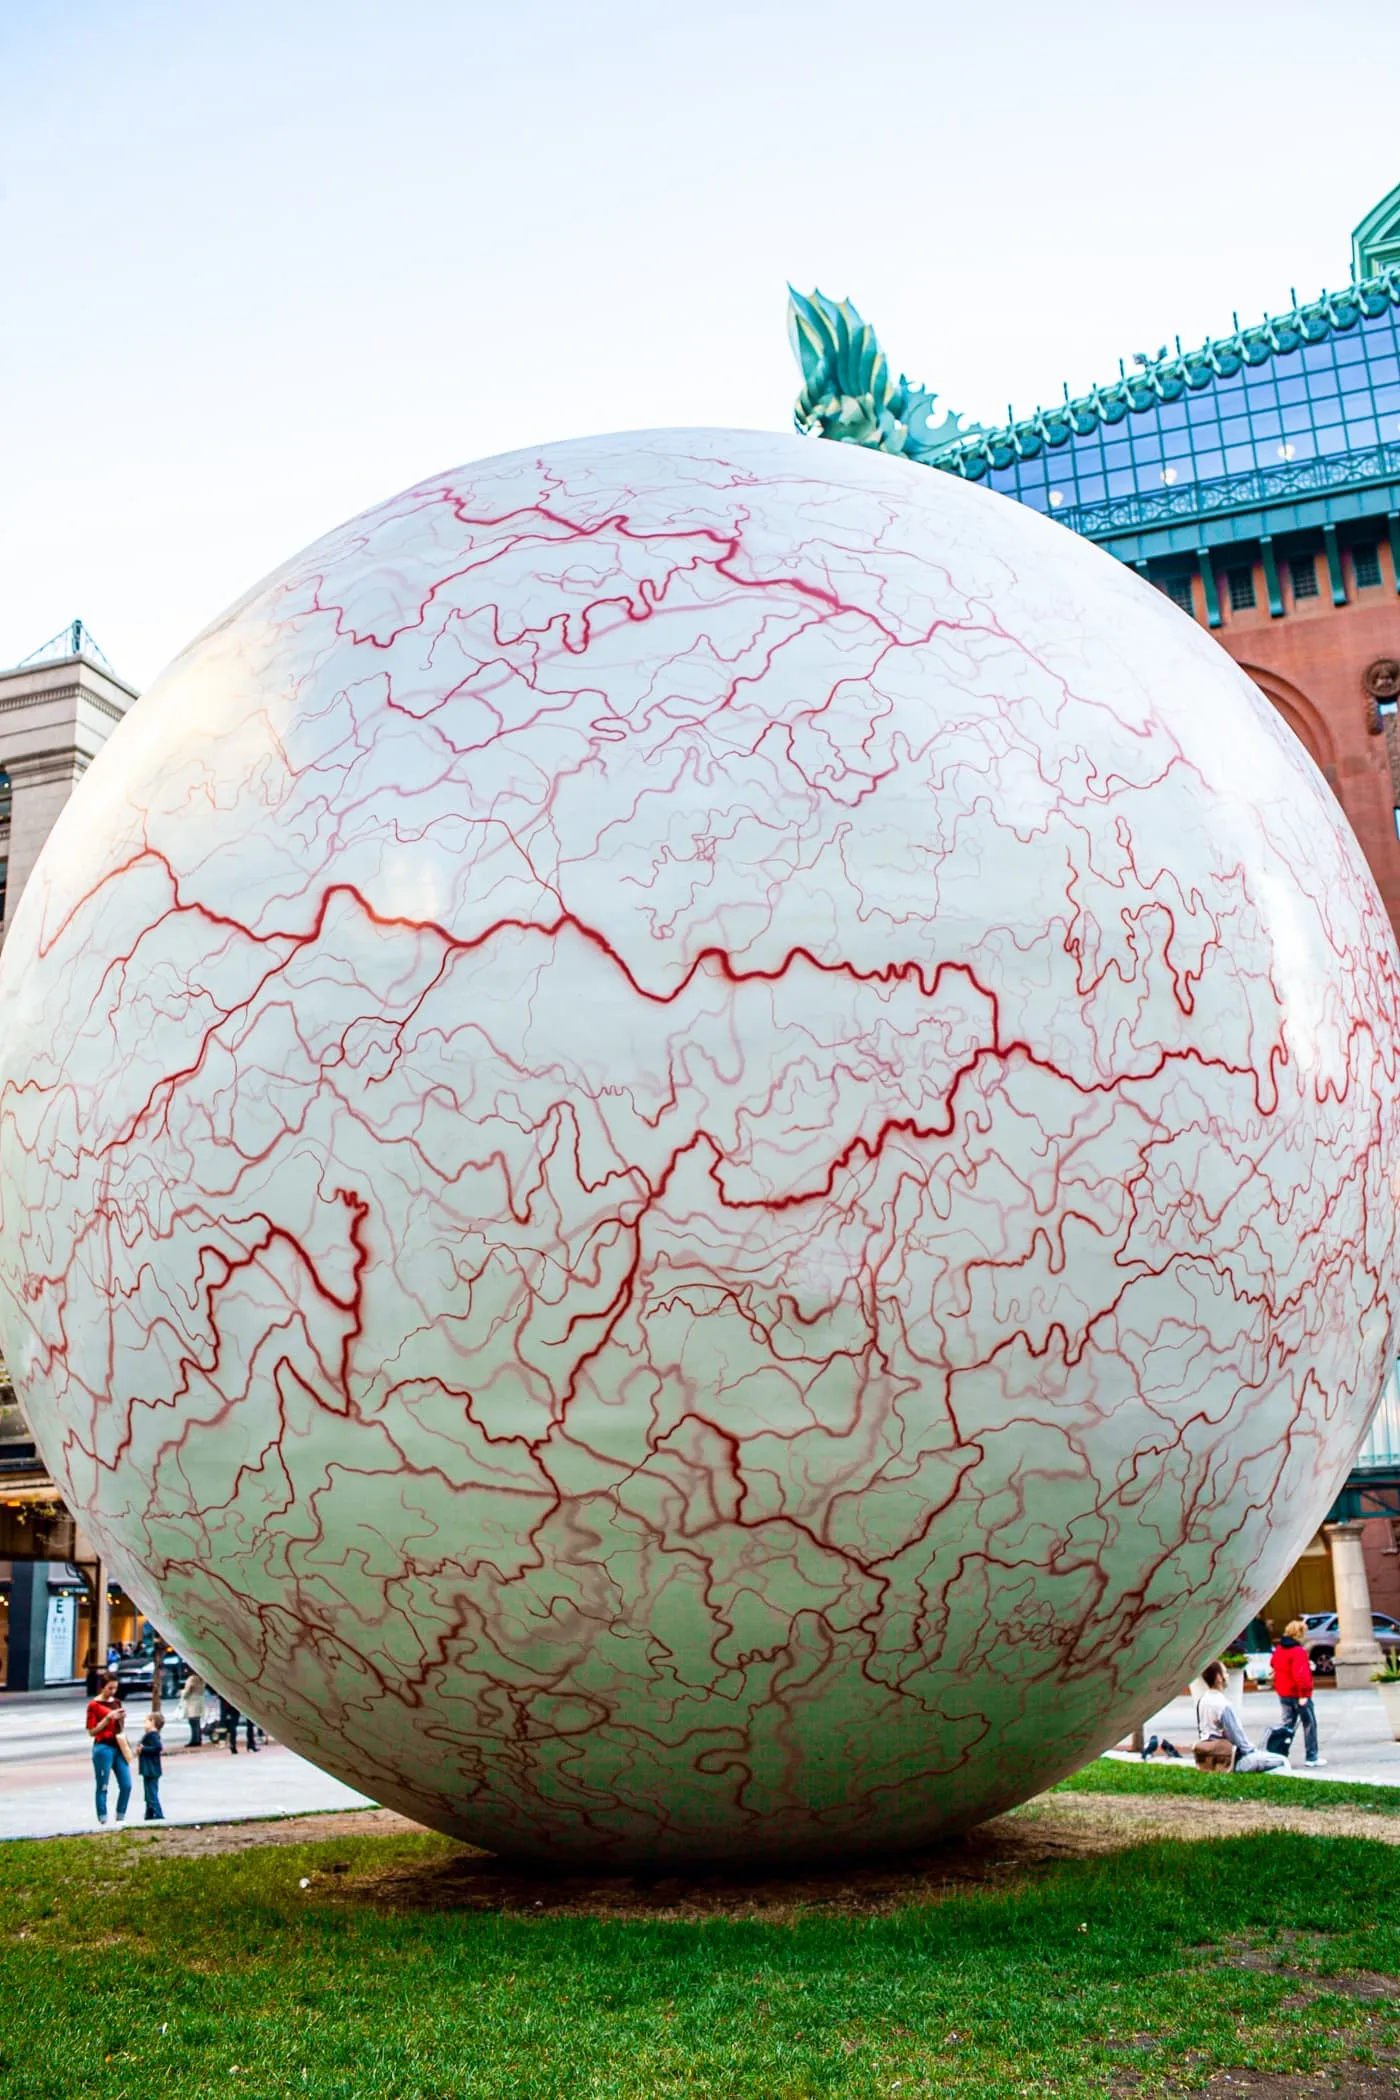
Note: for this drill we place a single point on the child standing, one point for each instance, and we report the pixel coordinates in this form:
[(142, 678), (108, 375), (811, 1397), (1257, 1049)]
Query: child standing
[(148, 1764)]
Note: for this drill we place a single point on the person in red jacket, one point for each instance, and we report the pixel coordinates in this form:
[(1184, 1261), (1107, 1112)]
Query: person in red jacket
[(1293, 1681)]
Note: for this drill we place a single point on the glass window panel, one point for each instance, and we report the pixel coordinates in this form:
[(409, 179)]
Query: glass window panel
[(1361, 430), (1267, 425), (1297, 418), (1384, 370), (1116, 455), (1177, 444), (1122, 482), (1236, 431), (1172, 414), (1092, 488), (1293, 388), (1348, 349), (1239, 458), (1356, 380), (1331, 438), (1210, 464)]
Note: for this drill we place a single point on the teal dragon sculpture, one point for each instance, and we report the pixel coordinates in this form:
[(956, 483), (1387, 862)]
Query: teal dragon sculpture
[(848, 392)]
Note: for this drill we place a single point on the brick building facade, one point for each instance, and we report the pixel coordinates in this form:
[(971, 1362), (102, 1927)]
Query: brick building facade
[(1256, 482)]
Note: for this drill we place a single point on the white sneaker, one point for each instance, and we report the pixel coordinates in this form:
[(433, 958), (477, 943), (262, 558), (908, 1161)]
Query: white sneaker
[(1311, 1764)]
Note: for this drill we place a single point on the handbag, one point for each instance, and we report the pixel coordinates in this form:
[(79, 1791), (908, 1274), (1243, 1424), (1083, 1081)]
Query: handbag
[(1280, 1739), (1214, 1753)]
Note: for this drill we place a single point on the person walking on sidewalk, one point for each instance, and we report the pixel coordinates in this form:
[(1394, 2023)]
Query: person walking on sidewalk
[(192, 1707), (148, 1763), (1293, 1681), (106, 1718), (229, 1718)]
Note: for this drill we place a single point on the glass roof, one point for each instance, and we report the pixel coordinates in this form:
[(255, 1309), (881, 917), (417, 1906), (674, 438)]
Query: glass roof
[(1339, 395)]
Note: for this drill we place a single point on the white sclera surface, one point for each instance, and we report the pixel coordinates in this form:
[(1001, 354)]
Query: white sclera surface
[(698, 1150)]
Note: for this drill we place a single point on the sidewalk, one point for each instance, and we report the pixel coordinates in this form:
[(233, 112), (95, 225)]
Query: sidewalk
[(1353, 1735), (46, 1786)]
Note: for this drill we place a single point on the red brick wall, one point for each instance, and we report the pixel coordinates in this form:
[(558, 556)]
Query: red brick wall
[(1310, 664), (1378, 1543)]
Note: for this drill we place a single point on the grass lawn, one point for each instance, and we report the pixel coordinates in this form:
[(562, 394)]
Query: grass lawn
[(1109, 1775), (124, 1972)]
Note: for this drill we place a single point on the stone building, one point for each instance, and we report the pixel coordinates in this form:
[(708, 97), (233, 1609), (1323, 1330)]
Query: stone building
[(1256, 482), (57, 1605)]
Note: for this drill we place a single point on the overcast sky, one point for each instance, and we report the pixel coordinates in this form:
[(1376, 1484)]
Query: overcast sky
[(261, 265)]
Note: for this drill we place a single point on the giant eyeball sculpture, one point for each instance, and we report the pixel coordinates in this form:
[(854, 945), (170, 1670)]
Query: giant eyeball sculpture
[(698, 1150)]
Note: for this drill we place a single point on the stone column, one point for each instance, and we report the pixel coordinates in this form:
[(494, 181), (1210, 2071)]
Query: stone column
[(94, 1574), (1358, 1651), (29, 1625)]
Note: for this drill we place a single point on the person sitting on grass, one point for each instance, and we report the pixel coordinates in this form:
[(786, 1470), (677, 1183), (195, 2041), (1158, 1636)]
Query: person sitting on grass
[(148, 1761), (1217, 1721)]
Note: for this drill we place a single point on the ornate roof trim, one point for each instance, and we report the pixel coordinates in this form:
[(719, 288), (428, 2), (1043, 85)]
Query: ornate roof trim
[(847, 392), (1376, 241)]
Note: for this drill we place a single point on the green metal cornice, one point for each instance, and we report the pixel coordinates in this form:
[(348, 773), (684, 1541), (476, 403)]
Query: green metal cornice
[(847, 392), (1376, 241)]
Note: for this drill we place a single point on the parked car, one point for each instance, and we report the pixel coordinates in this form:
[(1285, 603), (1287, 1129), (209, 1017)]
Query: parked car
[(136, 1675), (1321, 1638)]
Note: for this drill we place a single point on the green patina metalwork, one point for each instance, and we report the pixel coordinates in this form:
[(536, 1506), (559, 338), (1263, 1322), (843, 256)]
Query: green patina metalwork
[(1376, 241), (848, 392)]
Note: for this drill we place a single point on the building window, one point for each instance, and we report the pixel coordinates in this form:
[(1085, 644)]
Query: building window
[(4, 796), (1303, 569), (1366, 561), (1178, 589), (1241, 583), (4, 871)]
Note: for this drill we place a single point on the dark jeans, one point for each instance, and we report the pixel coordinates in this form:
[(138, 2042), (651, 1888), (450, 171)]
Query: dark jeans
[(1296, 1710), (154, 1812), (233, 1727), (196, 1731), (106, 1759)]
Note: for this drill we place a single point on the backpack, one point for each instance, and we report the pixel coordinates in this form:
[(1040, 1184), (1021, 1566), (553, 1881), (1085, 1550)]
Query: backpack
[(1280, 1740)]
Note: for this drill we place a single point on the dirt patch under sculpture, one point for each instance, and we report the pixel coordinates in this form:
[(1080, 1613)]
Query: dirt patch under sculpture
[(1053, 1827)]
